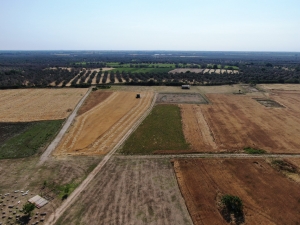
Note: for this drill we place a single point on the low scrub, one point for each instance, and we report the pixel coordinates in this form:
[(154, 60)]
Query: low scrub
[(161, 130), (284, 166), (231, 208), (250, 150)]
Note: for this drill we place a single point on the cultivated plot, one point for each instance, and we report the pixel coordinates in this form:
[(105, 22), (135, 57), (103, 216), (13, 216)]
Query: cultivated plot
[(130, 191), (233, 122), (99, 129), (268, 197), (38, 104)]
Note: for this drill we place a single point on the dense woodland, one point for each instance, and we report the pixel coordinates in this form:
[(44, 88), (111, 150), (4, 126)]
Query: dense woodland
[(20, 69)]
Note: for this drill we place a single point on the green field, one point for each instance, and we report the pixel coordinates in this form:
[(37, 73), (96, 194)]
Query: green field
[(31, 140), (161, 130)]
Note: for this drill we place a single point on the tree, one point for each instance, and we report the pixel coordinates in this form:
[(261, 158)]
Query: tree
[(28, 208)]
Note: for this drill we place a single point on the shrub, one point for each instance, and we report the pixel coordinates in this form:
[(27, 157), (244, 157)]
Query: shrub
[(250, 150), (233, 204)]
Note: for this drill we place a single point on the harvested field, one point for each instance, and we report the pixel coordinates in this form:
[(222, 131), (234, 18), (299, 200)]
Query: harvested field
[(268, 196), (158, 133), (196, 129), (98, 130), (180, 98), (130, 191), (238, 121), (283, 87), (95, 98), (206, 70), (184, 70), (211, 71), (218, 71), (26, 105)]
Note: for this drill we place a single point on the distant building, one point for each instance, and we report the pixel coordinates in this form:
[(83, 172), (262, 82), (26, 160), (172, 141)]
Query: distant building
[(185, 86)]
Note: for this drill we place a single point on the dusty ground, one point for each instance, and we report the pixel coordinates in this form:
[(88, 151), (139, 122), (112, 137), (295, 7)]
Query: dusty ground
[(180, 98), (268, 196), (130, 191), (285, 87), (184, 70), (93, 100), (38, 104), (196, 130), (238, 121), (24, 174), (99, 129)]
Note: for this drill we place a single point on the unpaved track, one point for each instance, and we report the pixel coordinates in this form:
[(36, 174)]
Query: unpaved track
[(59, 211), (67, 124)]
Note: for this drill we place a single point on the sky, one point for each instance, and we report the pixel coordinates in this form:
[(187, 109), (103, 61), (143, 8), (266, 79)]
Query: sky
[(196, 25)]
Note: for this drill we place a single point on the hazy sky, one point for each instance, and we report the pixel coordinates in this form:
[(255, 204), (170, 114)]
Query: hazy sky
[(204, 25)]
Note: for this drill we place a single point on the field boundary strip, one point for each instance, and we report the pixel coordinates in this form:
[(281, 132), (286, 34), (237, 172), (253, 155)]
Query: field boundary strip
[(44, 157), (52, 219)]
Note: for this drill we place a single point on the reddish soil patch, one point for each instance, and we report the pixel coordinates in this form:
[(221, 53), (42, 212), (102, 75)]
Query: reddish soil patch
[(93, 99), (268, 196), (233, 122)]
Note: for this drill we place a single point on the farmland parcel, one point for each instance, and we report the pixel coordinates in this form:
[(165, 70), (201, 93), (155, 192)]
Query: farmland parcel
[(99, 129), (267, 195), (38, 104)]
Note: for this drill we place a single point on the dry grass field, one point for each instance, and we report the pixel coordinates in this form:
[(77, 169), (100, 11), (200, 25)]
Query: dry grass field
[(99, 129), (24, 174), (38, 104), (233, 122), (130, 191), (284, 87), (268, 196), (184, 70)]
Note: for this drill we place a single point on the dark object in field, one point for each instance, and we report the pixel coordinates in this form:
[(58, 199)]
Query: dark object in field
[(138, 96)]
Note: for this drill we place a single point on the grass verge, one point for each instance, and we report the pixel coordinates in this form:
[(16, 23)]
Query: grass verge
[(28, 142), (161, 130), (250, 150)]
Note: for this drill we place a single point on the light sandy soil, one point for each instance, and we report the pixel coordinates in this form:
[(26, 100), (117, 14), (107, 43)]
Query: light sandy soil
[(238, 121), (218, 71), (206, 70), (24, 174), (70, 82), (38, 104), (285, 87), (99, 129), (211, 71), (130, 191), (268, 196), (184, 70)]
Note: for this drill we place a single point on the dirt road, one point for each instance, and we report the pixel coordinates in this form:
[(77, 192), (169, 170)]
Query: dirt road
[(59, 211), (67, 124)]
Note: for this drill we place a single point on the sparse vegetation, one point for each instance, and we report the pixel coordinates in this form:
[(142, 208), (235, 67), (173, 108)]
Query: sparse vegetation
[(284, 166), (250, 150)]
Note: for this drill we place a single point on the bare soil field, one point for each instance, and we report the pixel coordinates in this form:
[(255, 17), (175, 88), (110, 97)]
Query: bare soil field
[(283, 87), (184, 70), (38, 104), (180, 98), (25, 175), (95, 98), (130, 191), (206, 70), (238, 121), (173, 89), (268, 196), (98, 130), (218, 71)]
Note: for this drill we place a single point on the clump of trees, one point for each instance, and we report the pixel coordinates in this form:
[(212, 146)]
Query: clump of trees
[(232, 209)]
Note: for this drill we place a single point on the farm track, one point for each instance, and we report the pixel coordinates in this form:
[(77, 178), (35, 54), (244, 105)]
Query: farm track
[(61, 133), (59, 211)]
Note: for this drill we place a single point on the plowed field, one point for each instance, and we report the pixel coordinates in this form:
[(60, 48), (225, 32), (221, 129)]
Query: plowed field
[(38, 104), (233, 122), (99, 129), (268, 196), (130, 191)]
